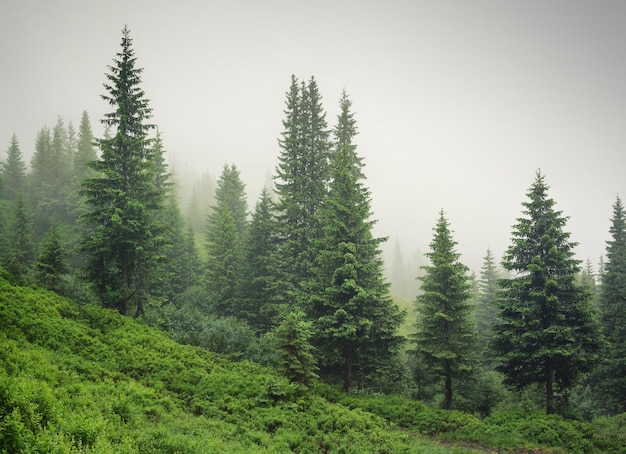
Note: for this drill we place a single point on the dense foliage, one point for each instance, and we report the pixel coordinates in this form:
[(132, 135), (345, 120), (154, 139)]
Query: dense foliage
[(79, 379)]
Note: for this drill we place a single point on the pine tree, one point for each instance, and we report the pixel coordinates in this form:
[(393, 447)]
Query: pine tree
[(258, 296), (85, 152), (296, 358), (124, 241), (613, 313), (355, 320), (21, 245), (13, 172), (546, 333), (445, 337), (50, 178), (301, 183), (486, 310), (51, 265), (226, 229)]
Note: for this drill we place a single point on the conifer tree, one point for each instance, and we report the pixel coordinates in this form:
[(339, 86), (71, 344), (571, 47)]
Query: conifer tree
[(125, 237), (13, 172), (446, 335), (21, 245), (354, 318), (50, 178), (295, 352), (301, 183), (486, 310), (51, 265), (85, 152), (546, 333), (226, 228), (613, 314), (258, 296)]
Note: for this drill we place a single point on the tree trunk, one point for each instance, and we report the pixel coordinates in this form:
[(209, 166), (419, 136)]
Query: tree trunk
[(347, 372), (448, 386), (549, 392)]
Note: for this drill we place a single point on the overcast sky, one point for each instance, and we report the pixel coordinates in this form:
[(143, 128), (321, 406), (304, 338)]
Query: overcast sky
[(458, 102)]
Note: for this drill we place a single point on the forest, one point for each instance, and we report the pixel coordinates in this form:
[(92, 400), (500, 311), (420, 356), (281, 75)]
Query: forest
[(142, 315)]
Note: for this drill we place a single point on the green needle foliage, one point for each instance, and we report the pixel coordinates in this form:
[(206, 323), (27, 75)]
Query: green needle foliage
[(486, 310), (51, 264), (301, 184), (226, 230), (546, 332), (124, 234), (295, 357), (446, 335), (355, 319), (613, 311), (13, 172), (259, 294)]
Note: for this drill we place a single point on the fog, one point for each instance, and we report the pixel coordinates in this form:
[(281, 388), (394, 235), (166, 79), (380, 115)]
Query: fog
[(458, 103)]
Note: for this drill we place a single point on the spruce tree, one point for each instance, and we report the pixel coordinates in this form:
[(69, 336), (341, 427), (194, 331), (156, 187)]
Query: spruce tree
[(13, 172), (50, 178), (486, 309), (85, 154), (21, 244), (295, 353), (226, 229), (613, 314), (354, 317), (51, 265), (546, 333), (446, 335), (301, 183), (258, 296), (124, 238)]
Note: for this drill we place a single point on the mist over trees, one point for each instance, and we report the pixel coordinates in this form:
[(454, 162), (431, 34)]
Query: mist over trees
[(297, 281)]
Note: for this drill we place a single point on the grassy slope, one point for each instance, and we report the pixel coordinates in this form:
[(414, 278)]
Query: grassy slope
[(408, 327), (84, 379)]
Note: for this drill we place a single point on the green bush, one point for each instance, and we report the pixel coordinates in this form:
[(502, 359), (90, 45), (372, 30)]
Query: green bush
[(79, 379)]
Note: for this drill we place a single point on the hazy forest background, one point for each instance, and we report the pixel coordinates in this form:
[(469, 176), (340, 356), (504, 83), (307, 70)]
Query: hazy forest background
[(296, 281)]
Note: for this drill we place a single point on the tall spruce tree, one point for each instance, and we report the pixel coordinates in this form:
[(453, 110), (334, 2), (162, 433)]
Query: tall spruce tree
[(124, 238), (85, 152), (546, 332), (301, 183), (486, 310), (226, 229), (258, 296), (50, 178), (13, 172), (446, 334), (613, 314), (354, 318)]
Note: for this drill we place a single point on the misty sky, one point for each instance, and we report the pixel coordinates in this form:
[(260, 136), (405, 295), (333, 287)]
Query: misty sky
[(458, 102)]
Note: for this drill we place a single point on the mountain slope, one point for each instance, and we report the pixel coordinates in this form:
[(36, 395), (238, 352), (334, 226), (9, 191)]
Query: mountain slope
[(84, 379)]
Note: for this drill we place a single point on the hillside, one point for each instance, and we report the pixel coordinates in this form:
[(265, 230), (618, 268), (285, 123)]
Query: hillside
[(85, 379)]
